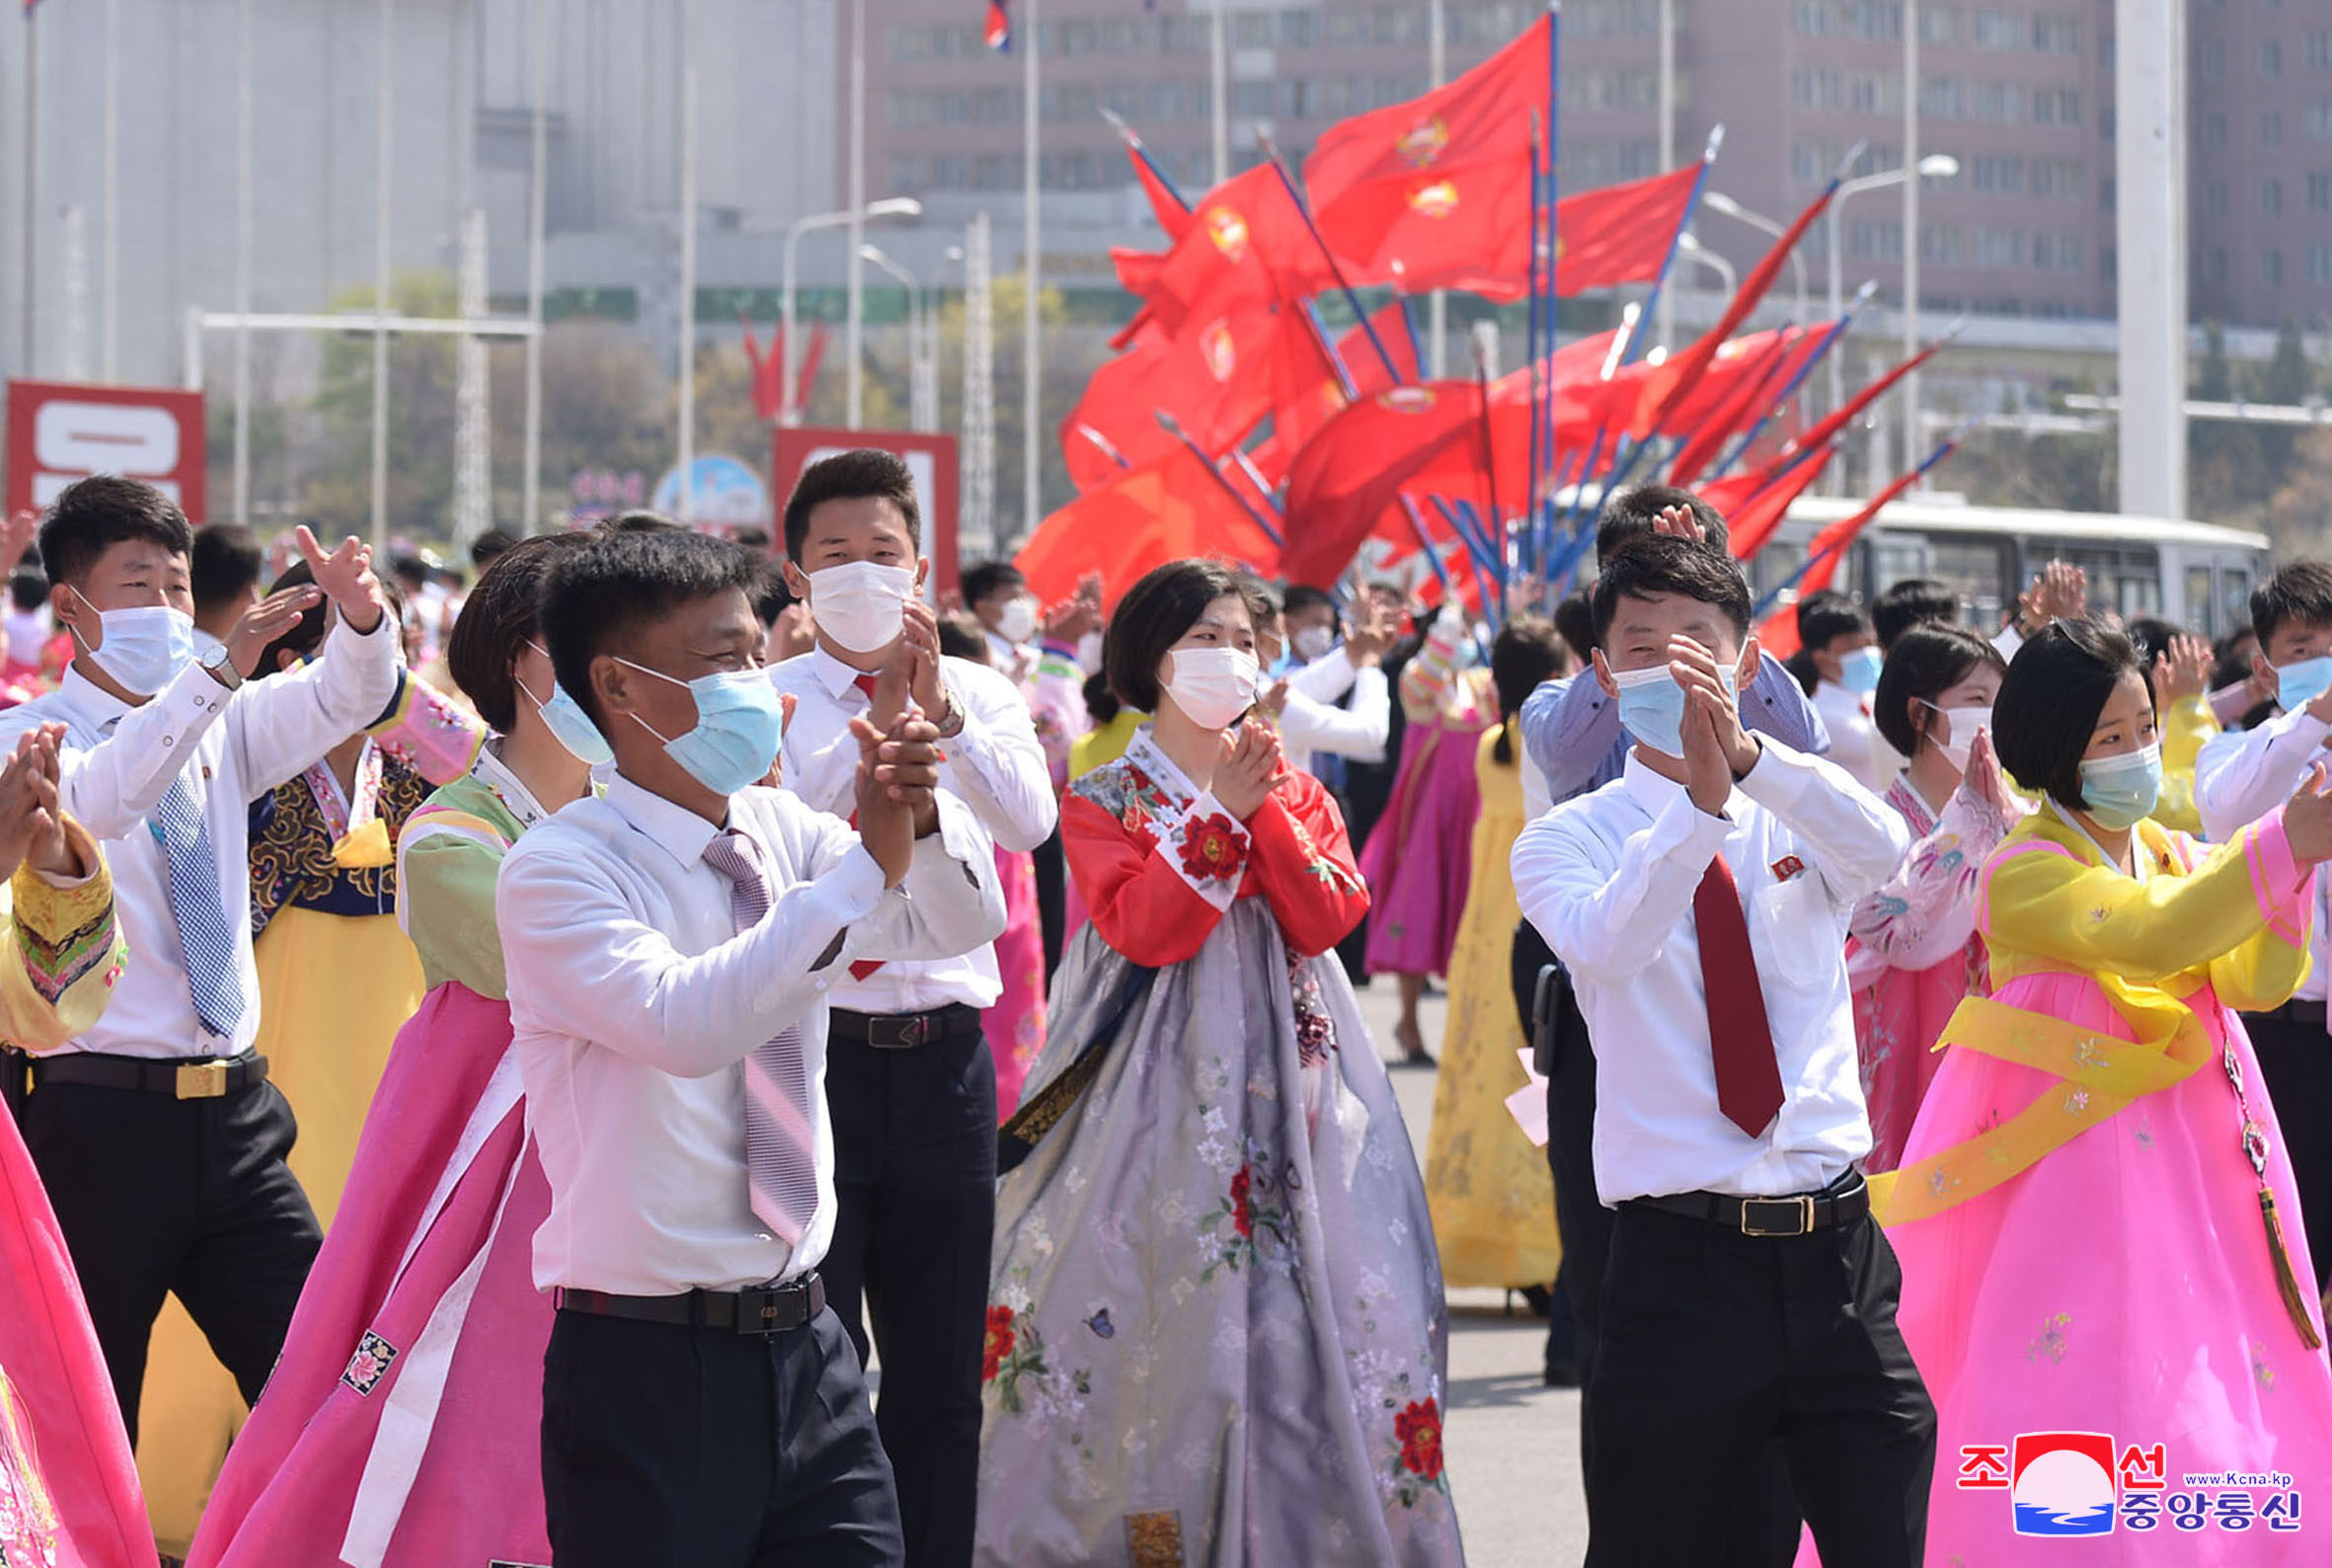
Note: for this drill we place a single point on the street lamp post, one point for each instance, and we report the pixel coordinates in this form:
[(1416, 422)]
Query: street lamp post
[(1693, 250), (1718, 201), (1939, 166), (918, 418), (887, 208)]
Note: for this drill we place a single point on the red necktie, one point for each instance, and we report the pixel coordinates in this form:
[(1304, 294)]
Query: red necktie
[(1741, 1042), (860, 970)]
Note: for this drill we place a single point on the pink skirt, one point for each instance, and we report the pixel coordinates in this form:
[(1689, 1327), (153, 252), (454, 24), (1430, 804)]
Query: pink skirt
[(1418, 861), (1015, 1026)]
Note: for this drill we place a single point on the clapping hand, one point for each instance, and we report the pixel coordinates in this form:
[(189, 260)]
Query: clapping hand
[(1250, 769), (897, 774), (775, 778), (2307, 820), (31, 821), (1716, 750), (2059, 592), (920, 641), (1068, 621), (345, 575), (1986, 781)]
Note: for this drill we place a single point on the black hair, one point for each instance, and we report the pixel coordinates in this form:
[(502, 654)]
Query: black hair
[(2299, 592), (1824, 615), (496, 623), (1925, 661), (770, 593), (2232, 667), (863, 473), (1152, 617), (987, 579), (92, 515), (1263, 602), (2057, 685), (1631, 515), (225, 561), (2153, 636), (1803, 670), (1575, 618), (1303, 596), (1908, 604), (489, 547), (410, 569), (1663, 564), (28, 589), (1526, 651), (305, 635), (752, 536), (1101, 703), (594, 597), (962, 637)]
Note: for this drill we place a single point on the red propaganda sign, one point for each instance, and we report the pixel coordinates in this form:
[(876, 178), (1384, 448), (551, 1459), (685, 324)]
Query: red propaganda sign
[(931, 459), (59, 431)]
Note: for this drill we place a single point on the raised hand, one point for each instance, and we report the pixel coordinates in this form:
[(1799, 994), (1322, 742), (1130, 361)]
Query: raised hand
[(2185, 668), (1079, 613), (1703, 677), (1372, 633), (775, 778), (1274, 700), (1251, 769), (31, 821), (1678, 522), (920, 641), (1987, 780), (16, 538), (898, 773), (2308, 818), (345, 576), (268, 619)]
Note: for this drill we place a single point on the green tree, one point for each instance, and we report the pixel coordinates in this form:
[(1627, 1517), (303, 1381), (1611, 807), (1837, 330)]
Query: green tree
[(336, 490)]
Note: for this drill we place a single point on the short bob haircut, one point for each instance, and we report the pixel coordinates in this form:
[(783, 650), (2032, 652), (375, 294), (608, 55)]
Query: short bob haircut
[(865, 473), (1632, 513), (2299, 591), (1908, 604), (1526, 651), (496, 623), (305, 636), (1825, 616), (92, 515), (593, 599), (2057, 686), (1153, 616), (1660, 564), (1926, 661)]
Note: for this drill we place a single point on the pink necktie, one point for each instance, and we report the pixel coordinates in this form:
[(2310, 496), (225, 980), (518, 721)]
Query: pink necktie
[(781, 1138)]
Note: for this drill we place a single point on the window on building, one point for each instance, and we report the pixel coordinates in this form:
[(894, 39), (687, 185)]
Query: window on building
[(1814, 19), (1941, 244), (2319, 191), (2319, 49), (1252, 30), (1400, 24), (1253, 99), (2319, 264), (2271, 198), (2106, 194), (1999, 30), (2056, 34), (1347, 30), (2212, 131), (1996, 173), (2105, 123), (2270, 60), (1875, 239), (1997, 248), (1939, 25), (2057, 253), (2214, 197), (2059, 179), (2270, 268), (2109, 263), (2060, 106), (1298, 30), (1817, 89), (1881, 92), (2271, 130), (1995, 103), (2214, 267), (2210, 59), (1811, 163), (1880, 21), (2316, 120)]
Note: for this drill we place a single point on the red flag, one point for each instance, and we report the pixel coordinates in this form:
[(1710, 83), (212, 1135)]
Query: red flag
[(1823, 553), (1752, 508), (1675, 380), (998, 30), (1172, 212), (1345, 478), (1846, 411), (768, 370), (805, 374), (1247, 246), (1215, 379), (1619, 234), (1168, 509), (1309, 393), (1752, 400)]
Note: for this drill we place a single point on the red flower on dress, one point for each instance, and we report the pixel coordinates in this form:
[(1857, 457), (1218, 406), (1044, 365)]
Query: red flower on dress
[(1242, 1217), (1212, 849), (1000, 1342), (1420, 1430)]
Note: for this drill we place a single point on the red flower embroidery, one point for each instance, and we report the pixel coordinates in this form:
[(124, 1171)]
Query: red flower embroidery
[(1212, 849), (1000, 1342), (1420, 1430), (1242, 1218)]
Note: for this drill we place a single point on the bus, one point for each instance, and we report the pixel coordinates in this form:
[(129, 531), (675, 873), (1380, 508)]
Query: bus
[(2196, 574)]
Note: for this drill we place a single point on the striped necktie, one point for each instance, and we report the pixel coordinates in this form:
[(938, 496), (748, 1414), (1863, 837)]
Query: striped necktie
[(179, 827), (860, 969), (781, 1140)]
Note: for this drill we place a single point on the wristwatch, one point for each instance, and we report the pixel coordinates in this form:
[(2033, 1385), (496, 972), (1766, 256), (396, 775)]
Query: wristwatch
[(953, 725), (221, 668)]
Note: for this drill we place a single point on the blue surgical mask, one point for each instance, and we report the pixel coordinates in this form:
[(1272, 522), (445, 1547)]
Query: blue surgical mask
[(2121, 791), (1652, 707), (740, 724), (2297, 683), (144, 649), (1858, 671), (569, 725)]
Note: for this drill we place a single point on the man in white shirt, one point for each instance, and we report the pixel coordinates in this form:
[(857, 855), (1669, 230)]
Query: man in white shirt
[(910, 1078), (226, 569), (2236, 777), (1839, 642), (1700, 902), (157, 1134), (670, 950), (1315, 733)]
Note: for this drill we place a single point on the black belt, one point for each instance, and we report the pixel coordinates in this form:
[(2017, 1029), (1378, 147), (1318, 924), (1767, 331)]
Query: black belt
[(1842, 1203), (2299, 1010), (902, 1031), (773, 1309), (212, 1078)]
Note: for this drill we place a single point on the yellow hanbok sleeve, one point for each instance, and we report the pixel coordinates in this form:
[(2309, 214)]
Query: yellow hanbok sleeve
[(2241, 911), (65, 952), (2185, 728)]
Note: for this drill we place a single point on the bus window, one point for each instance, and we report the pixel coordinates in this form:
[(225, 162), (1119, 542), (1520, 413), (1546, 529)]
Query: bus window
[(2202, 610), (1977, 570), (2137, 596), (2234, 593)]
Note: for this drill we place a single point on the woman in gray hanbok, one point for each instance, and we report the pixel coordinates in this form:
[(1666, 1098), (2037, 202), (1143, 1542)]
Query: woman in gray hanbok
[(1216, 1331)]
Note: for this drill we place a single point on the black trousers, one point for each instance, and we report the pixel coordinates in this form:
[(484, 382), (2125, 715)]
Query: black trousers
[(1715, 1348), (665, 1446), (915, 1180), (1051, 866), (192, 1198), (2295, 1058)]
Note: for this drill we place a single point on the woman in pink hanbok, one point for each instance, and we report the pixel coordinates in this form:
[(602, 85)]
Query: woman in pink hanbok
[(2100, 1278), (1914, 951), (400, 1428)]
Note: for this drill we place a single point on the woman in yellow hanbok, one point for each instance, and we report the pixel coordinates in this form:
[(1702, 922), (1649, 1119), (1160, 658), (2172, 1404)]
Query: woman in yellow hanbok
[(1486, 1185)]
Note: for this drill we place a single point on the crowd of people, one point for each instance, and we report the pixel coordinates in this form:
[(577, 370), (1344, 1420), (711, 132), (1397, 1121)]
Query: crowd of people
[(544, 1046)]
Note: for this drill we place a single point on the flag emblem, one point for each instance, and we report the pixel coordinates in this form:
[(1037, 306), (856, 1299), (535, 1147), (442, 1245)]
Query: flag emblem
[(1424, 141), (1436, 200), (1407, 399), (1220, 351), (1229, 231)]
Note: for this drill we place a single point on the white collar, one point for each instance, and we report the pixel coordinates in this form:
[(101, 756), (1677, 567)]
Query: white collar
[(675, 829), (833, 674), (1654, 792), (2137, 850), (516, 796)]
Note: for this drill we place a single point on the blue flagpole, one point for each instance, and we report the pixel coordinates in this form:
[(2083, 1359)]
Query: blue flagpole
[(1534, 354), (1676, 242), (1550, 235), (1173, 428), (1408, 325), (1482, 531), (1335, 269), (1134, 145), (1344, 374), (1831, 340)]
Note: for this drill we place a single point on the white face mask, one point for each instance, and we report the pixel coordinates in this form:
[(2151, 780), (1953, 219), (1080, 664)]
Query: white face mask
[(1017, 622), (861, 605), (1312, 642), (1212, 686), (1089, 652), (144, 649), (1964, 722)]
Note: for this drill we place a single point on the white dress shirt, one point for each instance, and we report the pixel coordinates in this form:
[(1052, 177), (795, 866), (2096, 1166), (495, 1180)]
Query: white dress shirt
[(1609, 879), (2240, 775), (1322, 684), (995, 766), (231, 747), (1855, 743), (635, 1002)]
